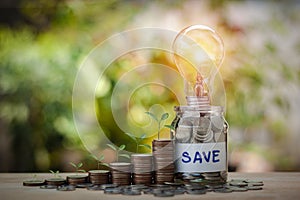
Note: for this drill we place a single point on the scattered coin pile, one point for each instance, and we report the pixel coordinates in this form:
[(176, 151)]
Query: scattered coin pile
[(99, 177), (121, 173), (168, 189), (142, 167), (163, 152), (77, 179)]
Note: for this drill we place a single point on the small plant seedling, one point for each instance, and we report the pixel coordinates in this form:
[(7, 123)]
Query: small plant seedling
[(99, 160), (118, 150), (77, 167), (55, 174), (159, 121), (138, 141), (34, 177), (170, 127)]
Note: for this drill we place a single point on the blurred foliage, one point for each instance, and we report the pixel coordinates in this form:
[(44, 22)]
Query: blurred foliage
[(38, 69), (42, 44)]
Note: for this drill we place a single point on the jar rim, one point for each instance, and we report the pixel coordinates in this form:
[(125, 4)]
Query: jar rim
[(204, 109)]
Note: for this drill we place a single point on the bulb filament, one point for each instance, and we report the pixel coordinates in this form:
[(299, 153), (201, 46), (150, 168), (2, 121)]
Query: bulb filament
[(199, 86)]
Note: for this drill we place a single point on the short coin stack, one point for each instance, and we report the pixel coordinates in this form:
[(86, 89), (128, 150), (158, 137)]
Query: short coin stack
[(55, 181), (99, 177), (121, 173), (142, 167), (77, 179), (163, 152)]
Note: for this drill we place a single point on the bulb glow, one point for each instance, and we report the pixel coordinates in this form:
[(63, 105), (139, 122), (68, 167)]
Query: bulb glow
[(198, 54)]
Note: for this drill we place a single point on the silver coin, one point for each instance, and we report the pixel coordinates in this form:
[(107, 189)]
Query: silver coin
[(132, 192), (223, 190), (240, 184), (112, 191), (48, 187), (66, 188), (253, 181), (84, 185), (238, 189), (254, 187), (163, 193), (237, 180), (173, 183), (104, 186), (95, 187), (255, 184), (217, 123), (196, 191)]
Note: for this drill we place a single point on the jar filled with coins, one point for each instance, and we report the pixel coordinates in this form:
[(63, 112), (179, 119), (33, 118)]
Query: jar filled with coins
[(200, 135)]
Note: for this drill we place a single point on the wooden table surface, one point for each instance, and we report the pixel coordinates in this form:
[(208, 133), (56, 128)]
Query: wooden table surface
[(277, 185)]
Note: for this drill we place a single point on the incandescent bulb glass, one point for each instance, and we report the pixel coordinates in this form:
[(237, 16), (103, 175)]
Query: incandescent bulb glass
[(198, 53), (200, 129)]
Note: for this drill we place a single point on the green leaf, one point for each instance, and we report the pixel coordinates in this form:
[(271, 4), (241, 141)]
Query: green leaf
[(122, 147), (73, 164), (52, 172), (170, 127), (93, 156), (152, 115), (131, 136), (81, 170), (143, 136), (101, 157), (80, 165), (112, 146), (104, 164), (164, 116), (124, 155), (145, 145), (57, 172)]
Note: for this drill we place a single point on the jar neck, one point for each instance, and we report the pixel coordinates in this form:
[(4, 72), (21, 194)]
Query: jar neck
[(198, 101), (198, 104)]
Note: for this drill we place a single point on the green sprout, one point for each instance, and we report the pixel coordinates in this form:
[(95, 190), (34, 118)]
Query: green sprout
[(170, 127), (138, 141), (159, 121), (99, 160), (55, 174), (34, 177), (77, 167), (118, 150)]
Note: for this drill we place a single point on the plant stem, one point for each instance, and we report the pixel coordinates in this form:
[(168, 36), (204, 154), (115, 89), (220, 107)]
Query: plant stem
[(158, 130)]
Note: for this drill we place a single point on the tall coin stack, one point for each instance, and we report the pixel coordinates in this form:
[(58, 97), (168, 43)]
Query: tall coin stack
[(163, 152), (99, 177), (142, 167), (121, 173)]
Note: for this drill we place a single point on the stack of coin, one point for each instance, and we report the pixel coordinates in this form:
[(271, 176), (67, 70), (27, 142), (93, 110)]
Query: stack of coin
[(163, 152), (77, 179), (99, 177), (33, 182), (121, 173), (142, 167), (55, 181)]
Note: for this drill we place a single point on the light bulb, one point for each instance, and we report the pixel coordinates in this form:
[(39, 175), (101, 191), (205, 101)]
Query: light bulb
[(198, 54)]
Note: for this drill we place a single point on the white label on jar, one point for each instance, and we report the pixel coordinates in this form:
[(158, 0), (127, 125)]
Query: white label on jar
[(204, 157)]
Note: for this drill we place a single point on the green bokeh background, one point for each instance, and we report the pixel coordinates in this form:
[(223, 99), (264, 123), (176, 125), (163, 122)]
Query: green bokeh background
[(42, 44)]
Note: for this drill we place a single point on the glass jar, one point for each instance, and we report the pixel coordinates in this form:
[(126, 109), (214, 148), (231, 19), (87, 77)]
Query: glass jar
[(200, 136)]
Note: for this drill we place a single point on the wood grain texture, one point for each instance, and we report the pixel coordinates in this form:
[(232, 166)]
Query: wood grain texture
[(277, 185)]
